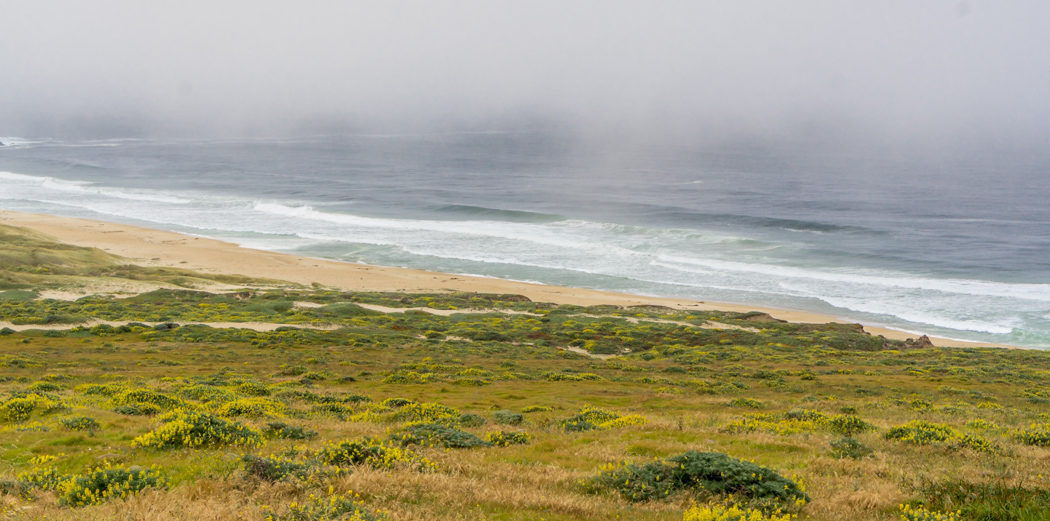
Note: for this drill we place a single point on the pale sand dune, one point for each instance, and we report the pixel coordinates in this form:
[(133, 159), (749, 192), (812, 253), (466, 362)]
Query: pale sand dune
[(148, 247)]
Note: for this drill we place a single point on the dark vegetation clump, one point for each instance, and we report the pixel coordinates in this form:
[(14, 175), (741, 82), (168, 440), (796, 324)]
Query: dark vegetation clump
[(850, 448), (508, 417), (713, 472), (439, 434), (288, 432), (274, 468), (472, 420), (80, 423)]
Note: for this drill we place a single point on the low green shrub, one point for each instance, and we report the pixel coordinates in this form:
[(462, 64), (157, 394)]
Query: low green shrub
[(288, 432), (713, 472), (137, 409), (508, 417), (750, 403), (505, 438), (81, 423), (472, 420), (275, 468), (438, 434), (850, 448), (396, 403), (11, 487)]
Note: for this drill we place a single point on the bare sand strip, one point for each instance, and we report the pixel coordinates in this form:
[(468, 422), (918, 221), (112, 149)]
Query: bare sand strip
[(147, 247)]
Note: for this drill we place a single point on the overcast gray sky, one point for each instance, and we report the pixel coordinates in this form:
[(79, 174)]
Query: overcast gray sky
[(890, 68)]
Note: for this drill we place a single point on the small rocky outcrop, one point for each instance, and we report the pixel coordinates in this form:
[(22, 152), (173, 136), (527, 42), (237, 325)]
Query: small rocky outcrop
[(918, 343)]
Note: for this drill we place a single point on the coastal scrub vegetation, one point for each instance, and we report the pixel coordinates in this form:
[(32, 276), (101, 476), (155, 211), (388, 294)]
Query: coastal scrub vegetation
[(370, 405)]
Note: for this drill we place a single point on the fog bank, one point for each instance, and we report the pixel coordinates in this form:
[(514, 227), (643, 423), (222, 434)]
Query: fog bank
[(894, 70)]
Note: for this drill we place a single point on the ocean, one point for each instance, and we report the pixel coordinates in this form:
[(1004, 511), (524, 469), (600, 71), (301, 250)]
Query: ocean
[(953, 242)]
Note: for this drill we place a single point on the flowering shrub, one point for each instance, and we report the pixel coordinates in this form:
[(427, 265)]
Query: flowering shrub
[(979, 423), (591, 418), (145, 396), (746, 402), (623, 421), (18, 409), (571, 377), (47, 387), (250, 388), (22, 404), (793, 422), (921, 432), (505, 438), (364, 416), (102, 484), (1037, 434), (474, 371), (46, 478), (428, 412), (193, 429), (535, 408), (410, 377), (333, 506), (733, 513), (909, 513), (102, 389), (137, 409), (373, 453), (206, 393)]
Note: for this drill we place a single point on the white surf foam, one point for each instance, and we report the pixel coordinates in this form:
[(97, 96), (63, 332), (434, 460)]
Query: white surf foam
[(1039, 292), (87, 188)]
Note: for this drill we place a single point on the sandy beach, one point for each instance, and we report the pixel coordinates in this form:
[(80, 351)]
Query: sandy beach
[(148, 247)]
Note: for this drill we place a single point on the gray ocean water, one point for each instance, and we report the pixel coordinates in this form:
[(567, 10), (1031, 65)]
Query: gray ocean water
[(953, 242)]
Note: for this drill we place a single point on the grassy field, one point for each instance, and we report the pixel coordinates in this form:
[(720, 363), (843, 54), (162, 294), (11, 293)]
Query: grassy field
[(469, 406)]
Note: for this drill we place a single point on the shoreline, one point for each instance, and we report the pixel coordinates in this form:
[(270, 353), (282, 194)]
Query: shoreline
[(158, 248)]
